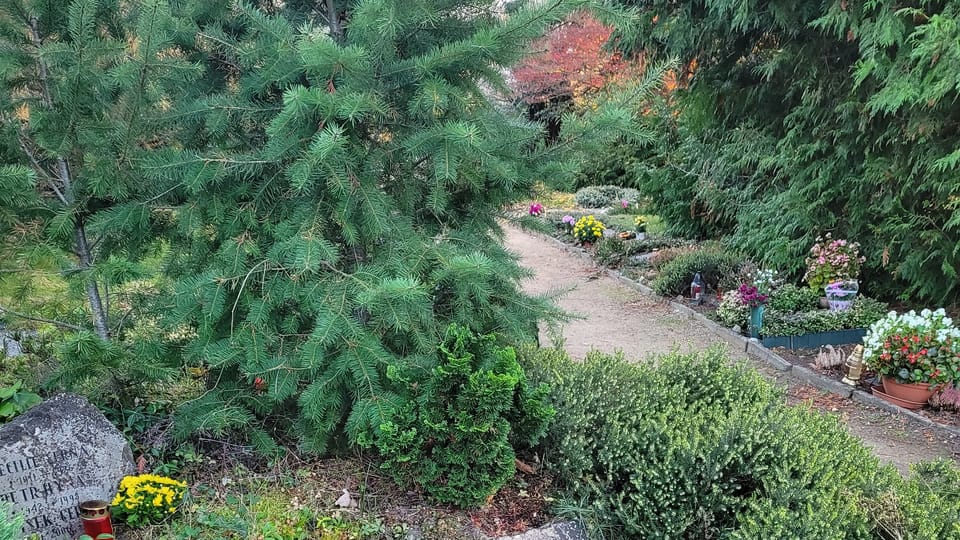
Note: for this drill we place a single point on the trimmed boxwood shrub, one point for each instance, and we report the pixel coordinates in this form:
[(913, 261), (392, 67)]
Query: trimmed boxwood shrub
[(694, 447), (712, 261)]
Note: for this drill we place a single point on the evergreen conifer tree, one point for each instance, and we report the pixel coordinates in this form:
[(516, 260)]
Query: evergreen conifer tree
[(323, 179), (341, 209), (83, 87), (89, 88)]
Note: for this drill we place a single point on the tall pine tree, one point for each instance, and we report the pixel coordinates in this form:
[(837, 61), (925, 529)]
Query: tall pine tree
[(323, 180)]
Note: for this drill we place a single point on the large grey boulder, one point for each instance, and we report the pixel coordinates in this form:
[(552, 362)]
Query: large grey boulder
[(58, 454)]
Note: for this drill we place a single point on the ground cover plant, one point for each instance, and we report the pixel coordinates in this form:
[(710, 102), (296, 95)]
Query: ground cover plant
[(864, 312), (692, 446)]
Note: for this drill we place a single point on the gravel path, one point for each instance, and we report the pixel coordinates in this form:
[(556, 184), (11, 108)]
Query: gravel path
[(613, 316)]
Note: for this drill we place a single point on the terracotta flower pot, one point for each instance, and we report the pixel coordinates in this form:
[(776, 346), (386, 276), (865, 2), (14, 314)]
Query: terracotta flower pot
[(915, 392), (913, 406)]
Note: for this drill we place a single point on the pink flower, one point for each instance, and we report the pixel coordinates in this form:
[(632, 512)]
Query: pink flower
[(625, 203), (536, 209)]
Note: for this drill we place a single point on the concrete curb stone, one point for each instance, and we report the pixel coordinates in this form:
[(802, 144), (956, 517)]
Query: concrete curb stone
[(757, 350), (565, 530)]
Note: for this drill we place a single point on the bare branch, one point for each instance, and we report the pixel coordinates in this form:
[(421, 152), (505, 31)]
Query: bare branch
[(61, 324), (51, 180)]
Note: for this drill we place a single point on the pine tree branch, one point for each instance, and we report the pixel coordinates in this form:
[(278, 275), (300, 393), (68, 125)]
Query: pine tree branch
[(61, 324), (47, 97)]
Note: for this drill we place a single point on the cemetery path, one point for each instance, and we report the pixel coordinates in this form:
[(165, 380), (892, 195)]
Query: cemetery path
[(612, 316)]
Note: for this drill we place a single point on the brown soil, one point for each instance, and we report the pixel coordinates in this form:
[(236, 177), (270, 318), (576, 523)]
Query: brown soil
[(613, 316)]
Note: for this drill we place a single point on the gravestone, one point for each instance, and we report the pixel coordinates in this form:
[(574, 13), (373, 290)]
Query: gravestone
[(56, 455)]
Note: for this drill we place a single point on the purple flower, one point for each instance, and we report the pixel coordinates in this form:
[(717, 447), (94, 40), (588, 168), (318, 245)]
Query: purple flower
[(750, 296), (625, 203), (568, 220)]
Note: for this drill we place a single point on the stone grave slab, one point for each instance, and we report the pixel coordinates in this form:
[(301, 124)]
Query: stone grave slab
[(56, 455)]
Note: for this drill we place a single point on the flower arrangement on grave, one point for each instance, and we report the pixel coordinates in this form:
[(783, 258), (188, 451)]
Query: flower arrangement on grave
[(588, 229), (147, 498), (832, 260), (915, 348), (640, 224)]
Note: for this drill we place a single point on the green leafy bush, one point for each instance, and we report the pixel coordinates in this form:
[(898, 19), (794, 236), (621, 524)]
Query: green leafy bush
[(11, 524), (712, 261), (610, 251), (927, 504), (15, 400), (684, 450), (603, 196), (864, 312), (694, 447), (789, 297), (455, 431)]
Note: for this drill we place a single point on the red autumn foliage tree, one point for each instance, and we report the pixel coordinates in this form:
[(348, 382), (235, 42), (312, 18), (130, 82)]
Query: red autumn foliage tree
[(570, 62)]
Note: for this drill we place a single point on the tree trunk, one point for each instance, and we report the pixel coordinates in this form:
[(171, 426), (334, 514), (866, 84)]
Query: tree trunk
[(333, 19), (100, 319), (93, 290)]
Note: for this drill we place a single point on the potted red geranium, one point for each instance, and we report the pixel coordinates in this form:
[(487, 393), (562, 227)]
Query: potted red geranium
[(915, 354)]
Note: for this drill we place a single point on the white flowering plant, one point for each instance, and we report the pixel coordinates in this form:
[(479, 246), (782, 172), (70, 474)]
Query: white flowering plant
[(766, 281), (915, 348)]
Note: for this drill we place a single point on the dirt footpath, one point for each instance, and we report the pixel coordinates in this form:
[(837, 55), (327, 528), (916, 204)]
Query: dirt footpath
[(613, 316)]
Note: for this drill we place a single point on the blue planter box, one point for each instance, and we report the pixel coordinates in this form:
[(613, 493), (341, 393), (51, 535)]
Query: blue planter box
[(812, 341)]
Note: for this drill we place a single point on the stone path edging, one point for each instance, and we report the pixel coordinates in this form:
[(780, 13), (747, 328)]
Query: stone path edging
[(756, 349)]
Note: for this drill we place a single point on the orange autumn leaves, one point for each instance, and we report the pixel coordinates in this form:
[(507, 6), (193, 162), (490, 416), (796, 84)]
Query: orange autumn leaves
[(573, 62)]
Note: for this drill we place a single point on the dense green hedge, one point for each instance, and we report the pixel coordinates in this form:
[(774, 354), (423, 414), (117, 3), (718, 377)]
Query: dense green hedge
[(694, 447), (804, 117)]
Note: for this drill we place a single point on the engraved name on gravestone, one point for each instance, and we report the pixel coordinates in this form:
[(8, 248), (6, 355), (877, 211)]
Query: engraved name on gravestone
[(56, 455)]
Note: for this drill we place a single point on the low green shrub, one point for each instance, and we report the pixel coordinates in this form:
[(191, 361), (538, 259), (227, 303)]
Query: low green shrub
[(693, 447), (610, 251), (864, 312), (712, 261), (665, 256), (604, 196), (792, 298), (927, 504), (454, 431)]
